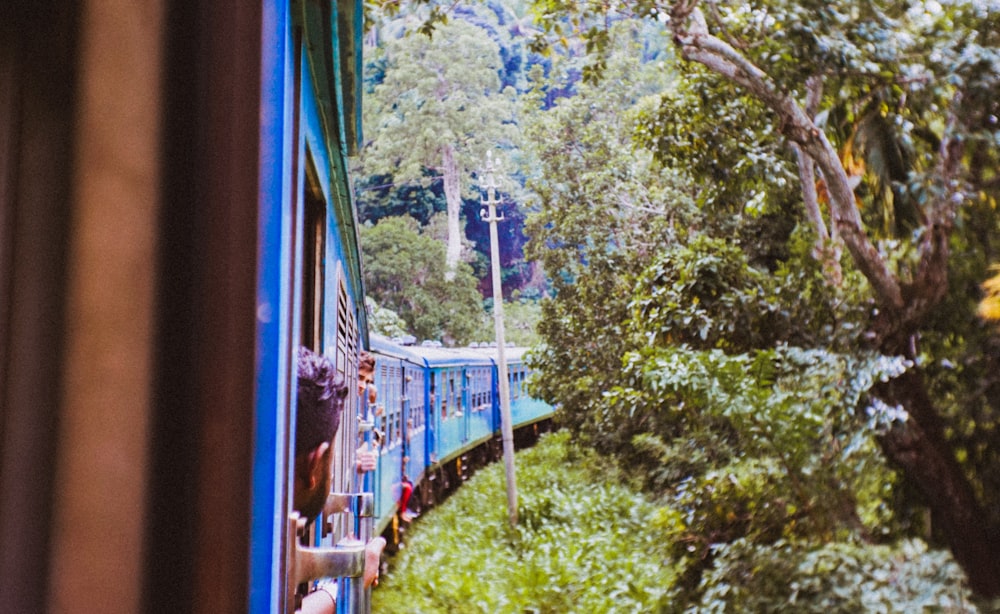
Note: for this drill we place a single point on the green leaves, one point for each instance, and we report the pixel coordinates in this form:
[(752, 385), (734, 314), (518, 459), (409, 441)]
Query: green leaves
[(584, 544), (405, 272), (840, 577)]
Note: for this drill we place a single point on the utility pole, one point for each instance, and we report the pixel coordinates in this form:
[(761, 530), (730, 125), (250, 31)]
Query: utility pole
[(489, 214)]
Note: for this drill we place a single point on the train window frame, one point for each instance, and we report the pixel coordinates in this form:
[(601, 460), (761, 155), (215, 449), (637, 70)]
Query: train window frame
[(313, 272), (442, 396), (310, 209)]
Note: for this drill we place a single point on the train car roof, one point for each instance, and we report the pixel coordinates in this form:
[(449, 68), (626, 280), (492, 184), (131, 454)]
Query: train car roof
[(446, 357), (511, 353), (384, 345), (443, 356)]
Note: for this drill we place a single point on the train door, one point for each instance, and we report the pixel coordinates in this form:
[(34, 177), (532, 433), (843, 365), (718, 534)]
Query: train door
[(465, 383), (436, 393), (416, 439)]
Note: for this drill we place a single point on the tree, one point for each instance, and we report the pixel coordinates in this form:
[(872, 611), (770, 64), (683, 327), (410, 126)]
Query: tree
[(433, 117), (382, 321), (605, 210), (846, 87), (405, 272)]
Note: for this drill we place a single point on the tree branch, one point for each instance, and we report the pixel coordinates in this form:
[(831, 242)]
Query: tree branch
[(696, 44)]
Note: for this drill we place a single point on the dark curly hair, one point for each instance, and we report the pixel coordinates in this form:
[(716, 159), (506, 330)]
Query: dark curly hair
[(321, 394), (366, 361)]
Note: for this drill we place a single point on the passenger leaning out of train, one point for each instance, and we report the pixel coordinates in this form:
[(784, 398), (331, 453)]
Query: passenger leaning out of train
[(367, 459), (321, 394)]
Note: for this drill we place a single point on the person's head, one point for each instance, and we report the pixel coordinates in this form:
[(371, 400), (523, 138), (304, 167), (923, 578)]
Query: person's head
[(366, 371), (320, 401)]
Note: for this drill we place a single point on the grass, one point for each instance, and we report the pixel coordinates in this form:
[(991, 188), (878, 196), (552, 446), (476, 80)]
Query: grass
[(584, 543)]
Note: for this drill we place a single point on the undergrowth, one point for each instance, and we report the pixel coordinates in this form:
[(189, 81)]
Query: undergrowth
[(587, 542), (584, 543)]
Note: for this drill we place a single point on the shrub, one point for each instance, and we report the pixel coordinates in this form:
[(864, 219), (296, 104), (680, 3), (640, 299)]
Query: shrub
[(584, 543)]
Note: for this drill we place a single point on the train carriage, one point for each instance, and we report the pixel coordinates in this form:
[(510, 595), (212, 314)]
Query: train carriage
[(439, 410), (314, 61), (453, 379), (524, 408), (399, 419)]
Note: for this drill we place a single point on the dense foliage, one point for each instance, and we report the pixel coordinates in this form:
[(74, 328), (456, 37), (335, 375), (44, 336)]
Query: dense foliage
[(583, 544), (752, 359), (588, 542), (430, 118), (405, 272), (767, 227)]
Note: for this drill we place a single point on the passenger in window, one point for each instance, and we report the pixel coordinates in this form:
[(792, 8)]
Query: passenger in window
[(367, 459), (321, 394)]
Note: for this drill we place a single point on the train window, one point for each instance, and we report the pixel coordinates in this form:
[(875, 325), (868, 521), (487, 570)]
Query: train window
[(482, 389), (475, 394), (391, 433), (347, 332), (446, 394), (443, 393), (415, 392), (454, 394), (382, 384), (313, 251), (473, 389), (396, 407), (487, 380)]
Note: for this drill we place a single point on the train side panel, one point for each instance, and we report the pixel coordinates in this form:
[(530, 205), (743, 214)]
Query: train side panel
[(271, 470), (524, 409), (309, 285), (479, 382)]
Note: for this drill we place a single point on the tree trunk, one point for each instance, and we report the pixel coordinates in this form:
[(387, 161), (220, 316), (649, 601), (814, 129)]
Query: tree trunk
[(453, 196), (919, 448)]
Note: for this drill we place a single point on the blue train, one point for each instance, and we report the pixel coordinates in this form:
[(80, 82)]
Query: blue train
[(176, 220), (437, 413)]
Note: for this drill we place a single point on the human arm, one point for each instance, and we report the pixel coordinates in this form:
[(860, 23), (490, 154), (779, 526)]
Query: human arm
[(323, 600), (367, 459)]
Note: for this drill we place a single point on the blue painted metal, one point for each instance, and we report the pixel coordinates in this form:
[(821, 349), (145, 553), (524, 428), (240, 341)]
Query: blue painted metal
[(277, 295), (270, 469)]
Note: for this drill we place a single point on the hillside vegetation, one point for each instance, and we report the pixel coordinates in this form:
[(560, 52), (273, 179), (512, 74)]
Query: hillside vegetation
[(588, 542), (585, 543)]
